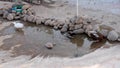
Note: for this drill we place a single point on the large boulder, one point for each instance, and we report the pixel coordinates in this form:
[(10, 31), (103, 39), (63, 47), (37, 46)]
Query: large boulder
[(112, 36)]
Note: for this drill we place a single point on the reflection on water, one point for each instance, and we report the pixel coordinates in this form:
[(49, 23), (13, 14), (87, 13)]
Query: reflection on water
[(112, 6), (33, 39)]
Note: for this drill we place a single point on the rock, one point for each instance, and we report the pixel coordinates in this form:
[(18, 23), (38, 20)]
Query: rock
[(13, 11), (68, 35), (49, 45), (52, 23), (78, 26), (24, 12), (73, 20), (1, 11), (30, 18), (60, 24), (85, 23), (5, 14), (55, 24), (76, 20), (106, 27), (71, 26), (17, 17), (13, 14), (34, 19), (43, 20), (64, 28), (10, 17), (26, 6), (78, 31), (18, 13), (55, 27), (96, 28), (47, 22), (85, 16), (88, 28), (25, 18), (118, 39), (36, 2), (104, 32), (112, 36), (38, 21), (6, 7), (0, 22), (79, 20), (31, 11)]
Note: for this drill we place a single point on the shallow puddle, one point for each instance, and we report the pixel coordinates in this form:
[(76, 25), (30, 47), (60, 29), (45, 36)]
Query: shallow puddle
[(32, 40)]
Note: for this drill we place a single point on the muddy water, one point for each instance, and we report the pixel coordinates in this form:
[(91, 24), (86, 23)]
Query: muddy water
[(32, 39)]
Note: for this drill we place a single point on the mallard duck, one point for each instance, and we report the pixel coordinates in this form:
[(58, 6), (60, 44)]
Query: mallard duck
[(18, 26), (95, 36)]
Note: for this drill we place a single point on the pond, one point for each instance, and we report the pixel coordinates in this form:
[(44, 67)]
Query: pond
[(33, 38)]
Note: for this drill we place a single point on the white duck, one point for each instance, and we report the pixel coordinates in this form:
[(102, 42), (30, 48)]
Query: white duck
[(18, 26)]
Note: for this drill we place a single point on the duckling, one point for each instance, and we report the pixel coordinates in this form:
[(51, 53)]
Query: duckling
[(95, 36), (18, 26)]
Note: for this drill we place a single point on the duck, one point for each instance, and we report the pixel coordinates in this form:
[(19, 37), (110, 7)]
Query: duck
[(18, 26), (96, 36)]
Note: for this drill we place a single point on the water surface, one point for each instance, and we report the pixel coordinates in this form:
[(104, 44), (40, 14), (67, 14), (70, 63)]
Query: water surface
[(31, 41)]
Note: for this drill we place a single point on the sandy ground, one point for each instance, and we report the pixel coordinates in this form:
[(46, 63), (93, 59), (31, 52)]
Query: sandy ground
[(101, 58)]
